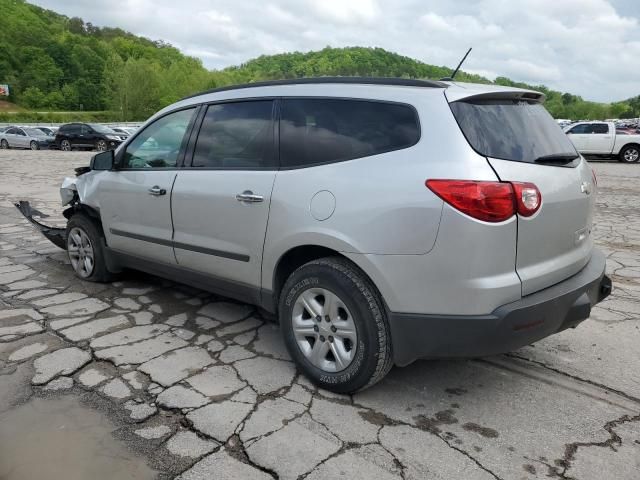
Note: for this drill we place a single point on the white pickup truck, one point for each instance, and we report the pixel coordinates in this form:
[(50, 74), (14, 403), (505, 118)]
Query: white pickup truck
[(601, 138)]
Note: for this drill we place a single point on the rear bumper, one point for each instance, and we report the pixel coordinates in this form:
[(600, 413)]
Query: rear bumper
[(508, 327)]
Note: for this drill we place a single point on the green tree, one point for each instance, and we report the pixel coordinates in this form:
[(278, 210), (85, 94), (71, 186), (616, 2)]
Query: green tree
[(33, 97)]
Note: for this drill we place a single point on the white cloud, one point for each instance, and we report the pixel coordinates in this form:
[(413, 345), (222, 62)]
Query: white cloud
[(586, 47), (346, 11)]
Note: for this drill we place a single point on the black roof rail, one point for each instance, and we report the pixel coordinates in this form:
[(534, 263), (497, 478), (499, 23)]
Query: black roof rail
[(403, 82)]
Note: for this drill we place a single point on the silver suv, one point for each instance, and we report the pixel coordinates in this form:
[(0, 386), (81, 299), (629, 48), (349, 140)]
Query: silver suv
[(381, 220)]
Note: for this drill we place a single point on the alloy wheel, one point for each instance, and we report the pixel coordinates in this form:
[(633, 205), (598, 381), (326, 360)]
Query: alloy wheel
[(34, 146), (81, 252), (4, 144), (324, 329), (631, 155), (65, 146), (101, 145)]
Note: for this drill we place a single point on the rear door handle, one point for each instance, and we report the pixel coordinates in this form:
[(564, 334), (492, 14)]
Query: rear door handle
[(157, 191), (249, 197)]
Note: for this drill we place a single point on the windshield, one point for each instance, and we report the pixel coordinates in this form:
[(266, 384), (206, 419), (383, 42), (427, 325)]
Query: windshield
[(101, 128), (33, 132), (512, 130)]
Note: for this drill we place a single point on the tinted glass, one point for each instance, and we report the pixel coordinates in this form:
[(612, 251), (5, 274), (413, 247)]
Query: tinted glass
[(581, 129), (315, 131), (511, 130), (70, 129), (100, 128), (158, 145), (11, 131), (600, 128), (20, 132), (236, 135)]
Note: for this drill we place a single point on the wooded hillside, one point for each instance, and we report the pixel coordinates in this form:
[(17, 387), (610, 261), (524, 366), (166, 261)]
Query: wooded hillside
[(56, 63)]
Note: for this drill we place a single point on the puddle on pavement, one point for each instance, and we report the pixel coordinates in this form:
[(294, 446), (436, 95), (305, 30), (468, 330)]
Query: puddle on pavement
[(59, 438)]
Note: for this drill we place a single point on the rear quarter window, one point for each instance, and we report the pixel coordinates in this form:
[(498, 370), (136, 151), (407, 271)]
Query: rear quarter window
[(318, 131)]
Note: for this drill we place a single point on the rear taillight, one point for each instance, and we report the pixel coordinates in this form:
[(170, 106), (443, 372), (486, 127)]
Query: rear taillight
[(488, 201), (528, 198)]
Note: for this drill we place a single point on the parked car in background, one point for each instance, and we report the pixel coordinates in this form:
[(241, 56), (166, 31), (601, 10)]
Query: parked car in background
[(121, 131), (25, 137), (48, 130), (88, 136), (256, 193), (602, 138)]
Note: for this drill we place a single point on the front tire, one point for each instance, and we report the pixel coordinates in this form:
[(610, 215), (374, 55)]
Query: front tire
[(630, 154), (334, 325), (85, 249), (101, 145), (34, 146), (4, 144)]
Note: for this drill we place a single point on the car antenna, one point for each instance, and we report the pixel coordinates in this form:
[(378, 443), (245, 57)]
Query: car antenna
[(453, 74)]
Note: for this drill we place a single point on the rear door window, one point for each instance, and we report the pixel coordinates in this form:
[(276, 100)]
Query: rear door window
[(581, 129), (70, 129), (236, 136), (601, 128), (317, 131), (514, 130)]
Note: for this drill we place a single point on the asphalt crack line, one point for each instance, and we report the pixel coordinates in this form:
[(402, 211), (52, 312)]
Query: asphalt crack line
[(613, 441), (575, 377)]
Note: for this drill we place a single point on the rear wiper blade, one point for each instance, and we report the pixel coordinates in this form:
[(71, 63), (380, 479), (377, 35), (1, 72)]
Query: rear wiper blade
[(561, 158)]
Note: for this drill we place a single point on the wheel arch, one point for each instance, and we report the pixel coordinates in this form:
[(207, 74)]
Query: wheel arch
[(627, 145), (86, 210), (294, 258)]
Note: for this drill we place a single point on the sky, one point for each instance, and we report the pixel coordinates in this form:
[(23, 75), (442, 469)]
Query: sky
[(590, 48)]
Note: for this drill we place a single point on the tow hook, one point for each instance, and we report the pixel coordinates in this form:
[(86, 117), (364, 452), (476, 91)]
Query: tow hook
[(57, 236)]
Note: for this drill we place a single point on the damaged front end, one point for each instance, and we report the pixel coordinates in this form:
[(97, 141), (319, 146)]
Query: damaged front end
[(58, 236), (69, 196)]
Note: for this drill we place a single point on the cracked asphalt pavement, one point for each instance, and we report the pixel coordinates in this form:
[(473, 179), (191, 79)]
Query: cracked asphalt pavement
[(202, 387)]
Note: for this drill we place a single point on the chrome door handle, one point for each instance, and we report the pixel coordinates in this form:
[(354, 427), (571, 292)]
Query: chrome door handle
[(157, 191), (249, 197)]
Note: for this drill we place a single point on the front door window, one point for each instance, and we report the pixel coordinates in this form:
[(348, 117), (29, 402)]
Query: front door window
[(159, 144)]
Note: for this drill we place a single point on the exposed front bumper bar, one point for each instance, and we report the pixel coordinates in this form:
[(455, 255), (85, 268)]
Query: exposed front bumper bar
[(508, 327), (58, 236)]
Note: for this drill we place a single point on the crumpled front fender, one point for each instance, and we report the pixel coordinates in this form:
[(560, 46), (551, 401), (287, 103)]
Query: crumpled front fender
[(58, 236)]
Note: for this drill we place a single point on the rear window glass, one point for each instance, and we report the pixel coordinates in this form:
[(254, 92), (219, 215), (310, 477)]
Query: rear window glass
[(511, 130), (316, 131)]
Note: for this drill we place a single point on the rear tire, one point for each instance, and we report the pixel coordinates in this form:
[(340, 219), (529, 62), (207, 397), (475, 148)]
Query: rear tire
[(4, 144), (350, 350), (65, 146), (85, 249), (630, 154), (34, 146)]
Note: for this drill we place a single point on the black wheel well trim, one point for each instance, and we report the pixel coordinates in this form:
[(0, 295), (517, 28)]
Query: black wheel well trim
[(294, 258), (631, 144), (88, 211)]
